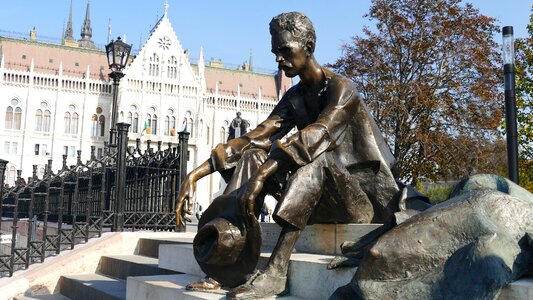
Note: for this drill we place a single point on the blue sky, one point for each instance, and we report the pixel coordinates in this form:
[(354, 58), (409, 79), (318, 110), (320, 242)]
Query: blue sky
[(226, 29)]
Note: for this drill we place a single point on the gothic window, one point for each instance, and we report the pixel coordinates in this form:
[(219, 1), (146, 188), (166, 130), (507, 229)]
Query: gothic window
[(172, 69), (154, 65), (42, 118), (151, 121), (154, 124), (170, 123), (188, 123), (101, 125), (166, 126), (67, 118), (13, 115), (71, 120), (98, 123), (224, 132), (74, 123), (133, 119)]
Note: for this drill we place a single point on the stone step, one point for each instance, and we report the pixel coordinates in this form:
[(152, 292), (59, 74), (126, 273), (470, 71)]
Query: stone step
[(150, 246), (179, 258), (518, 290), (122, 266), (92, 287), (308, 276), (172, 287)]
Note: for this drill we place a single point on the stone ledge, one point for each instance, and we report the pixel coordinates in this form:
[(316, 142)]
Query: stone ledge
[(308, 275), (518, 290), (319, 238), (172, 287)]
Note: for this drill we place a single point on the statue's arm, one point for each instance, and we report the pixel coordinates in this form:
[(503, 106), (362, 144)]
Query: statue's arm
[(225, 156), (324, 134), (188, 188)]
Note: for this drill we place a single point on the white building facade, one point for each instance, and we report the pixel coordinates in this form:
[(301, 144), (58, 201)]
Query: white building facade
[(57, 99)]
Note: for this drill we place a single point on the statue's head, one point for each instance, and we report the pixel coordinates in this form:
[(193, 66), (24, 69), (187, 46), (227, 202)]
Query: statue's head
[(293, 41)]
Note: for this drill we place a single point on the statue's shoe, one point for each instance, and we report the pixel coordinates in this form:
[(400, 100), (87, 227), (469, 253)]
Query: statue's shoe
[(260, 285), (205, 284)]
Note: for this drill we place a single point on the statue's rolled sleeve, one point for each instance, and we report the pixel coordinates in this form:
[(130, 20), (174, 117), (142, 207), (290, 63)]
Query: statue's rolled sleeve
[(323, 135), (226, 156)]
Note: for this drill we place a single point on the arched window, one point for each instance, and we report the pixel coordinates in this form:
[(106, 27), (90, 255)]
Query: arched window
[(74, 123), (94, 125), (166, 127), (172, 69), (67, 118), (151, 121), (172, 126), (188, 123), (133, 119), (154, 65), (170, 123), (98, 123), (154, 124), (101, 125), (71, 119), (39, 120), (13, 115), (224, 132), (42, 118)]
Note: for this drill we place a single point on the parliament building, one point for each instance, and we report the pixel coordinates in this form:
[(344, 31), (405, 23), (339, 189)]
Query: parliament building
[(56, 99)]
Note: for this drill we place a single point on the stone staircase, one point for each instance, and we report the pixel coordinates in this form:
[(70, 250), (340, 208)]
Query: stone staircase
[(162, 266)]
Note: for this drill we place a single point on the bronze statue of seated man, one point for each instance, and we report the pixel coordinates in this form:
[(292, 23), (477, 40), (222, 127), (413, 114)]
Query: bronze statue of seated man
[(336, 168)]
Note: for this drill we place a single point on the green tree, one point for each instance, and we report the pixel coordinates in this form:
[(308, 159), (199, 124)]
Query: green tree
[(524, 103), (430, 73)]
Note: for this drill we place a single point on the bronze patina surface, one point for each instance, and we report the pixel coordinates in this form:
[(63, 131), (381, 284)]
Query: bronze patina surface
[(335, 168)]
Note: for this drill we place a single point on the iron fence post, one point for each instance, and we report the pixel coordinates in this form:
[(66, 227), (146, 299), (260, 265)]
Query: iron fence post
[(3, 165), (120, 178), (184, 146)]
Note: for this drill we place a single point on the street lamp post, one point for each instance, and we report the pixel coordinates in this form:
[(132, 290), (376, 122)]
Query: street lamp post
[(118, 53), (510, 103)]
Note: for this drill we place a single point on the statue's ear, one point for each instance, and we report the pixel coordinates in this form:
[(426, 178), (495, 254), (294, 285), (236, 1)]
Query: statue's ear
[(310, 48)]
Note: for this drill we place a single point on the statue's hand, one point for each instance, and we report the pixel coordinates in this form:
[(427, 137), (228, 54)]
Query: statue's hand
[(183, 206), (255, 186)]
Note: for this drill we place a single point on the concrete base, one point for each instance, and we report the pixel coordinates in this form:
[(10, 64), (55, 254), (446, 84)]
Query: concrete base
[(172, 287), (319, 238), (308, 276), (518, 290)]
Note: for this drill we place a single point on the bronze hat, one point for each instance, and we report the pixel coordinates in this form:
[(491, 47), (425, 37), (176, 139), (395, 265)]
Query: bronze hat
[(228, 244)]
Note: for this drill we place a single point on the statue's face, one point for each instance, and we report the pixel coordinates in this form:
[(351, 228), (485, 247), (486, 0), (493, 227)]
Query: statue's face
[(290, 54)]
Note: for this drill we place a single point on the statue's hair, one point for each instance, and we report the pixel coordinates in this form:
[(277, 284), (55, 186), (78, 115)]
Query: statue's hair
[(298, 25)]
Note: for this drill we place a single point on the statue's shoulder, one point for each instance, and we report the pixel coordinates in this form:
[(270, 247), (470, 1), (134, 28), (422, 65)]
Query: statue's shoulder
[(339, 86), (292, 92), (337, 81)]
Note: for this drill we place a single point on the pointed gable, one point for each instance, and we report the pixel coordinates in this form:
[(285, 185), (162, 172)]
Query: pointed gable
[(162, 56)]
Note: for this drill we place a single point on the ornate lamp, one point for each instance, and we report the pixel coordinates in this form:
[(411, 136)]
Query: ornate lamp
[(118, 54)]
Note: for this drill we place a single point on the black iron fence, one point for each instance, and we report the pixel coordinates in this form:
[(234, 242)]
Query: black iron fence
[(125, 189)]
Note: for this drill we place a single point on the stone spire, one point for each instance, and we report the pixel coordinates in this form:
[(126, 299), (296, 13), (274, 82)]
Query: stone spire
[(68, 32), (201, 69), (166, 8), (86, 30), (250, 65)]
